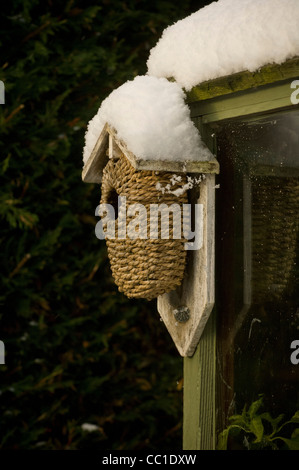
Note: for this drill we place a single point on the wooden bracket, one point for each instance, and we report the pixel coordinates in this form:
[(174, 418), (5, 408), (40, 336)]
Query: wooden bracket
[(186, 310)]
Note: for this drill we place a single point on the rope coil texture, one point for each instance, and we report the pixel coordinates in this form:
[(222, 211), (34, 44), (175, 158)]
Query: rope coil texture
[(144, 267)]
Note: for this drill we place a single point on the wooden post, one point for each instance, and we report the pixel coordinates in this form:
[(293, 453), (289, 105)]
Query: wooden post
[(199, 426)]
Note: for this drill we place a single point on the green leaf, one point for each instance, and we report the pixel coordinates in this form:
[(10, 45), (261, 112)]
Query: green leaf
[(293, 443), (5, 163), (222, 440), (240, 420), (295, 417), (273, 421), (254, 407), (257, 428)]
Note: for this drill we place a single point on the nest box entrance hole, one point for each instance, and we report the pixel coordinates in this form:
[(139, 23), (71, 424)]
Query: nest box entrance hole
[(112, 199)]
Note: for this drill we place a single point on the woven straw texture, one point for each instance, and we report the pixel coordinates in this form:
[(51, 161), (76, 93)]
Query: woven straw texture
[(275, 211), (143, 267)]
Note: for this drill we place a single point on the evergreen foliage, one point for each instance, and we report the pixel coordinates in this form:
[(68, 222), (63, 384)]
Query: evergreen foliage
[(76, 350)]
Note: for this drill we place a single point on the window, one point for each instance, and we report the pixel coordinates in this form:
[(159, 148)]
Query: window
[(257, 305)]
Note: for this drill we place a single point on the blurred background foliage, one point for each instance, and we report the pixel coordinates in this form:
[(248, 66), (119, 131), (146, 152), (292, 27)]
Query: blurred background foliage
[(77, 351)]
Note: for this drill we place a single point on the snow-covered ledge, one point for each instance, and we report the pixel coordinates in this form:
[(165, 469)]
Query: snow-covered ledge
[(149, 121), (224, 38), (109, 145)]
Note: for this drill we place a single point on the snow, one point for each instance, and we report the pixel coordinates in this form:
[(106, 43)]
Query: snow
[(150, 115), (226, 37), (89, 427), (174, 179)]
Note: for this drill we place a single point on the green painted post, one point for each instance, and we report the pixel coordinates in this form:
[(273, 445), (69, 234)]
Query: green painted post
[(199, 426)]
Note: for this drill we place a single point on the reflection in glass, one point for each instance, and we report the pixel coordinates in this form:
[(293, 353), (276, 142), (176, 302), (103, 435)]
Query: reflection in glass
[(257, 264)]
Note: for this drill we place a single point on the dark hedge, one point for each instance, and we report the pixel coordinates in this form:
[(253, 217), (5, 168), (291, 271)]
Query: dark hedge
[(77, 351)]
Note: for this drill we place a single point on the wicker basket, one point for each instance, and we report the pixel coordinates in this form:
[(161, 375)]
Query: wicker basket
[(275, 236), (143, 267)]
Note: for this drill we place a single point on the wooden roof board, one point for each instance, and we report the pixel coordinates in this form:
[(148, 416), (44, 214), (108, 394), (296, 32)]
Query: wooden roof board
[(93, 168), (242, 81)]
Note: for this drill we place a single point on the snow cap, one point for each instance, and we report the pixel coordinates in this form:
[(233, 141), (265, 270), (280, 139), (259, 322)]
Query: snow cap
[(227, 37), (150, 115)]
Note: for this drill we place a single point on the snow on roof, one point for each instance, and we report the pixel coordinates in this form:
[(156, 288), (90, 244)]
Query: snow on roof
[(227, 37), (150, 115)]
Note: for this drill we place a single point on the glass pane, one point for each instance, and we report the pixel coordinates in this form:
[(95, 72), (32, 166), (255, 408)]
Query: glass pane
[(257, 271)]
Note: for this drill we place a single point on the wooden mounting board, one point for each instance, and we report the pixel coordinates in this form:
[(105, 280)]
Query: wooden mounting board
[(197, 289)]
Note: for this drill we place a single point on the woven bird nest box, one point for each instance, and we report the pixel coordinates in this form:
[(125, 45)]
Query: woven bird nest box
[(147, 259)]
